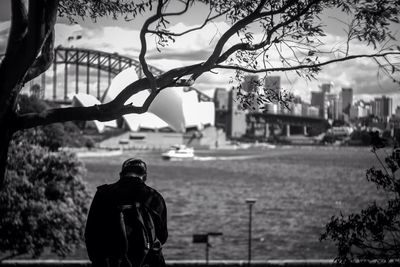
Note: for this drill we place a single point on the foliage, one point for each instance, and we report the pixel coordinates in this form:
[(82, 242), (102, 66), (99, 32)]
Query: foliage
[(43, 202), (55, 135), (373, 234)]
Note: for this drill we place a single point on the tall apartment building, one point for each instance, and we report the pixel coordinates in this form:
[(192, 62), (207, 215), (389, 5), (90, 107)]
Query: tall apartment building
[(221, 99), (332, 101), (237, 124), (318, 101), (382, 107), (326, 87), (346, 97)]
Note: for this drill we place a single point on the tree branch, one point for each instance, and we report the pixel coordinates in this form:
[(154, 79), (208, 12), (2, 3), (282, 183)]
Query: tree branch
[(298, 67), (111, 110)]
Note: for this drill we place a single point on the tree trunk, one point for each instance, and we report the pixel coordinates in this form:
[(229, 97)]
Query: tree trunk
[(7, 130)]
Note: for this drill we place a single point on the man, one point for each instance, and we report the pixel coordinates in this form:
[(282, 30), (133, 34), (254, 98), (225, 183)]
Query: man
[(105, 237)]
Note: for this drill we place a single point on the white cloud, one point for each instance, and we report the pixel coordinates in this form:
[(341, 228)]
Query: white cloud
[(196, 46)]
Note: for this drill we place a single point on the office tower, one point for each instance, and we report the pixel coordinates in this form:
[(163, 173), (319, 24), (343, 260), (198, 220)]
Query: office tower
[(221, 99), (382, 107), (326, 87), (318, 101), (347, 99), (397, 114), (250, 86), (237, 123), (332, 102), (273, 83)]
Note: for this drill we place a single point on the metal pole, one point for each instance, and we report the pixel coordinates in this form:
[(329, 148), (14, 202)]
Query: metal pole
[(66, 76), (250, 202), (98, 76), (77, 73), (55, 75), (250, 221), (87, 72), (207, 247)]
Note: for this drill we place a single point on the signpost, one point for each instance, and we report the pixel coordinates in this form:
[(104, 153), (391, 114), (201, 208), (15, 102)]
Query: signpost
[(203, 238), (250, 202)]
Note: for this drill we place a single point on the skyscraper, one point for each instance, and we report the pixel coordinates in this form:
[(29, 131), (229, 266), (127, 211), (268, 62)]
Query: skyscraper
[(326, 87), (250, 86), (382, 107), (272, 88), (221, 99), (273, 83), (318, 101), (347, 99), (237, 123)]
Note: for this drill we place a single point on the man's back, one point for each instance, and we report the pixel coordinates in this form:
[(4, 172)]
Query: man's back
[(104, 238)]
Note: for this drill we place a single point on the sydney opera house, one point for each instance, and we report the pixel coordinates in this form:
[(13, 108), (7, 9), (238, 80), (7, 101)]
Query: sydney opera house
[(174, 110)]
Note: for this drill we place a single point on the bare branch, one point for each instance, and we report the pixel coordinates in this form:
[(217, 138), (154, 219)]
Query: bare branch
[(111, 110), (143, 42), (207, 20), (299, 67)]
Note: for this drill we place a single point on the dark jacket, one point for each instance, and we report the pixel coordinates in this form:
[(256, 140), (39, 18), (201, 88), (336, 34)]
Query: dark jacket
[(100, 230)]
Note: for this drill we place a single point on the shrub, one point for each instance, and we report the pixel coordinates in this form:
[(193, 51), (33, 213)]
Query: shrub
[(55, 135), (373, 233), (43, 203)]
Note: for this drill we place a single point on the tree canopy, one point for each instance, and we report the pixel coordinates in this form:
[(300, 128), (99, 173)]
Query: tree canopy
[(258, 31)]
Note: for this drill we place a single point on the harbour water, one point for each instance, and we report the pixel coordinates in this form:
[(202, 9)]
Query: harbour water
[(297, 190)]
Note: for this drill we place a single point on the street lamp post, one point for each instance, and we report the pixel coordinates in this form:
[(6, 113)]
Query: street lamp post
[(250, 202)]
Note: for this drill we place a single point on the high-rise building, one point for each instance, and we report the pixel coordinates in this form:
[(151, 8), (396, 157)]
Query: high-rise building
[(382, 107), (250, 86), (326, 87), (237, 123), (332, 102), (273, 83), (397, 113), (221, 99), (346, 99), (318, 101)]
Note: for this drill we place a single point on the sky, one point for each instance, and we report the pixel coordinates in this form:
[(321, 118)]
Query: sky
[(123, 37)]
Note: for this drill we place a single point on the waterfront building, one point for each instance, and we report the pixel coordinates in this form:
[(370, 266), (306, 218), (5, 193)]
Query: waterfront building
[(318, 100), (313, 111), (237, 123), (296, 109), (271, 108), (332, 101), (250, 86), (382, 107), (221, 99), (304, 109), (346, 97), (326, 87), (273, 83), (222, 114), (397, 113), (360, 109)]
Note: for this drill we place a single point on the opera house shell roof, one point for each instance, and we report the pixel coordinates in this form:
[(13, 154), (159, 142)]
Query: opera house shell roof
[(173, 107)]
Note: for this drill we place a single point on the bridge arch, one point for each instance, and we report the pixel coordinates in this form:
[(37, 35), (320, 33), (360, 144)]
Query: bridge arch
[(88, 60)]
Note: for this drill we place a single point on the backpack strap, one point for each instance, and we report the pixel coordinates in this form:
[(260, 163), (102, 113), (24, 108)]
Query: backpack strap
[(121, 209)]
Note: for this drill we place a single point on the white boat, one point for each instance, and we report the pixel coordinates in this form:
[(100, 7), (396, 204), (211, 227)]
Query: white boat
[(178, 152)]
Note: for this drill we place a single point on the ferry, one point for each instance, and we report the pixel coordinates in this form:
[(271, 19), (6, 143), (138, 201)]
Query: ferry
[(178, 152)]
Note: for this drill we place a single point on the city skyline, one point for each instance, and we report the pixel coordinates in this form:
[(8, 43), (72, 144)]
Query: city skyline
[(122, 37)]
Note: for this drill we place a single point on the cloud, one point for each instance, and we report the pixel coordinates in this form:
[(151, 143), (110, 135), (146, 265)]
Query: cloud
[(360, 74)]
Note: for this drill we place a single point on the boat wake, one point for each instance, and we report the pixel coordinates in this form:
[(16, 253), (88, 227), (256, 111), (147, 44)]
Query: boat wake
[(244, 157)]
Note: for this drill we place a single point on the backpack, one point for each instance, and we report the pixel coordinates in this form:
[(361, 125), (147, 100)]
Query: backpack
[(137, 229)]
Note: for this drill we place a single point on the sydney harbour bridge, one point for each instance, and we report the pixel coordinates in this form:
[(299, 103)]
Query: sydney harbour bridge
[(78, 70)]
